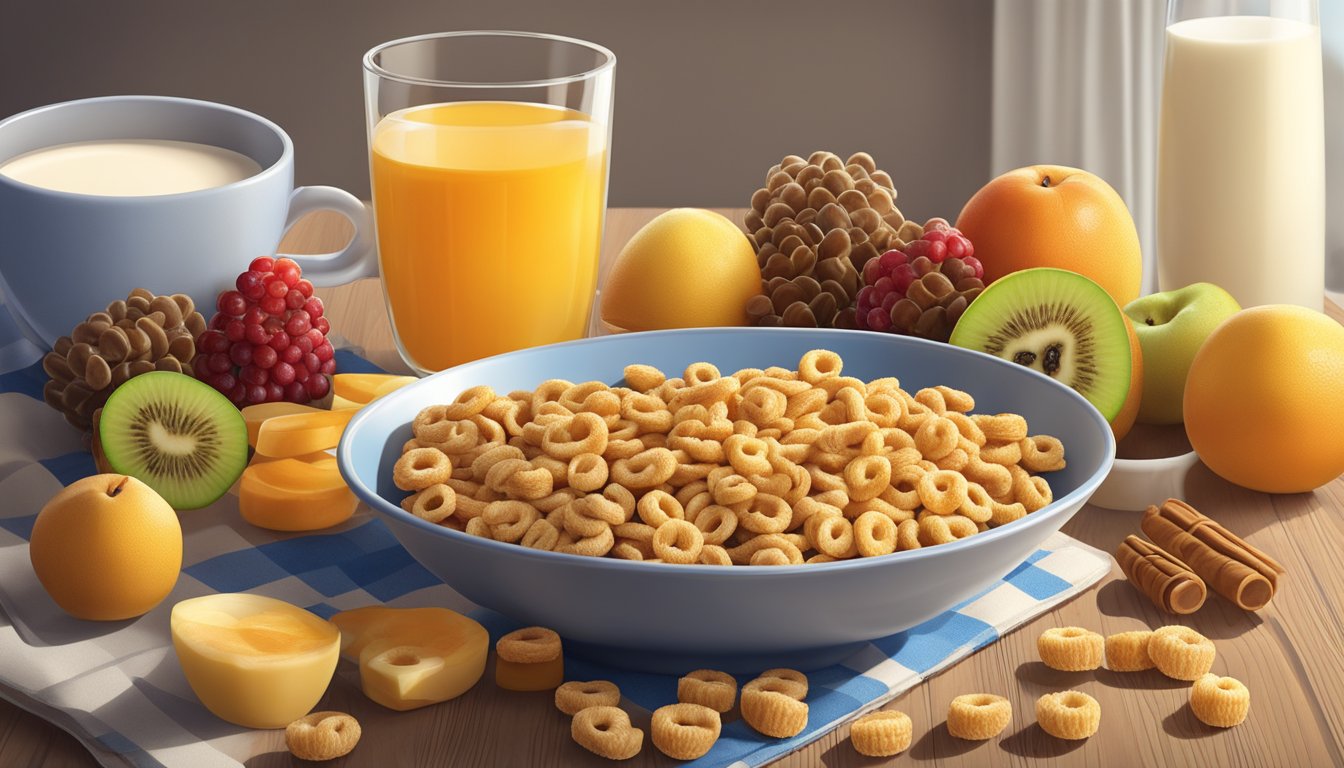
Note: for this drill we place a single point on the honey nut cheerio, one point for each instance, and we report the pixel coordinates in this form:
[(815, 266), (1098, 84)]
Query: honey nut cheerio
[(757, 467)]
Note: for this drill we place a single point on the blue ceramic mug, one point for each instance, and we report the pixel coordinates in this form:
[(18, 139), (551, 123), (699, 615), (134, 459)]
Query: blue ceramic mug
[(64, 255)]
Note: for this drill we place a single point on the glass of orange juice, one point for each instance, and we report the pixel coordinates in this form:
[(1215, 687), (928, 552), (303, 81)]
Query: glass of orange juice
[(489, 167)]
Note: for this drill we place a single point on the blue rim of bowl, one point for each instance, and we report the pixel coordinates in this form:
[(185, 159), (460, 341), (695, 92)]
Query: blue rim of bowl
[(383, 506)]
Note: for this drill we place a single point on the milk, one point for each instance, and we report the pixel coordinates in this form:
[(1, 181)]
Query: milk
[(130, 168), (1241, 160)]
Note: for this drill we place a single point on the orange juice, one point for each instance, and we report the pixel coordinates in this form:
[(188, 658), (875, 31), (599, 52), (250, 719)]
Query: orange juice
[(489, 219)]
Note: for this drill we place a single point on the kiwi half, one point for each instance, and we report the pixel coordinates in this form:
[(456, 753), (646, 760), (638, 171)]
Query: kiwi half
[(177, 435), (1057, 322)]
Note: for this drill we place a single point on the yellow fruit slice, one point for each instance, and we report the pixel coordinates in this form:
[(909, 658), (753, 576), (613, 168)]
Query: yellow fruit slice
[(254, 415), (296, 434), (413, 657), (339, 403), (367, 387), (254, 661), (295, 494)]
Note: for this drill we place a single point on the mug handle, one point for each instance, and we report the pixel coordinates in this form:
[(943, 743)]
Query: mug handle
[(357, 259)]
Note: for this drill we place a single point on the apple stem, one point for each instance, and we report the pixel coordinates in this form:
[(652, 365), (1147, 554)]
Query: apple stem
[(1045, 182), (116, 489)]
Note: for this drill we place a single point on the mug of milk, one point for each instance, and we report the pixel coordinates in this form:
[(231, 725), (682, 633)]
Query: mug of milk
[(100, 196), (1241, 151)]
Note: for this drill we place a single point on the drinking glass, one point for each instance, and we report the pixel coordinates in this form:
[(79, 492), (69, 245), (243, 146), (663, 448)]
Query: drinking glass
[(1241, 151), (488, 157)]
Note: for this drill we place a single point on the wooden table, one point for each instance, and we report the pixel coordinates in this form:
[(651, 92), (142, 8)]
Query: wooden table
[(1288, 654)]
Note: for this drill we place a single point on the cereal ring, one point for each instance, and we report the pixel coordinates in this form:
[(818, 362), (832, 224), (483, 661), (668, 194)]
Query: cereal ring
[(685, 731), (1220, 701), (625, 549), (643, 377), (762, 406), (575, 696), (1003, 454), (1071, 649), (541, 535), (979, 505), (596, 545), (978, 716), (956, 400), (742, 553), (657, 507), (766, 513), (419, 468), (942, 492), (322, 736), (622, 497), (874, 534), (907, 535), (1042, 453), (677, 541), (955, 461), (867, 476), (529, 645), (832, 535), (819, 364), (773, 714), (648, 412), (434, 503), (704, 393), (452, 437), (1128, 651), (490, 430), (606, 732), (587, 472), (713, 554), (936, 437), (529, 483), (1181, 653), (931, 399), (700, 373), (480, 466), (646, 469), (476, 526), (1031, 490), (639, 532), (789, 682), (1002, 427), (881, 734), (1006, 513), (884, 410), (548, 391), (708, 688), (944, 529), (1068, 714), (747, 455), (591, 397), (469, 403), (733, 489), (842, 438), (589, 515), (557, 469), (716, 523), (580, 433), (509, 520)]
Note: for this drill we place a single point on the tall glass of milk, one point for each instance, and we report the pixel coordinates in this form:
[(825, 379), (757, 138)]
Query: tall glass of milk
[(1241, 151)]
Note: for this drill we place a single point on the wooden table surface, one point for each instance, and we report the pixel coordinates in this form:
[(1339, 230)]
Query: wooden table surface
[(1288, 654)]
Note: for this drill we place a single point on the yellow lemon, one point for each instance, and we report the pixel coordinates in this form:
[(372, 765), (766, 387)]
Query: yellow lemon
[(688, 268), (107, 548)]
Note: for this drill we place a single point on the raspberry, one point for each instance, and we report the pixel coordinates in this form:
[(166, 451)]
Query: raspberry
[(267, 341), (921, 289)]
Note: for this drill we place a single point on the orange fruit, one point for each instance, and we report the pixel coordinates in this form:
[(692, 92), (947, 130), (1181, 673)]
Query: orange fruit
[(1129, 412), (688, 268), (107, 548), (1264, 401), (1055, 216)]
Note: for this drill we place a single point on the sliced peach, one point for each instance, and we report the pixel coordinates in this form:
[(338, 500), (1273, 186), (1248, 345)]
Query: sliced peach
[(367, 387), (254, 415), (296, 434), (413, 657), (254, 661), (339, 403), (298, 494)]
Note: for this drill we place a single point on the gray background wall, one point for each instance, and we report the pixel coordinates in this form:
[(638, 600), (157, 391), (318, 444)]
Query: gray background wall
[(709, 93)]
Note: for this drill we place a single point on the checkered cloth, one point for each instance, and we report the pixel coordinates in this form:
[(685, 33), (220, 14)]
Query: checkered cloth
[(118, 687)]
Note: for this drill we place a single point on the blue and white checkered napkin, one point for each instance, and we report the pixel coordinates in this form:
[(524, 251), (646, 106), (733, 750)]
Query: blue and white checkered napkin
[(118, 687)]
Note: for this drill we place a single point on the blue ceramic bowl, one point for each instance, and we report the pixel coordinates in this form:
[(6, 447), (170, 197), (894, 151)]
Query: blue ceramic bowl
[(663, 617)]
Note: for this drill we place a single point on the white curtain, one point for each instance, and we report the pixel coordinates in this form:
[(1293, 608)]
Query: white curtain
[(1076, 82)]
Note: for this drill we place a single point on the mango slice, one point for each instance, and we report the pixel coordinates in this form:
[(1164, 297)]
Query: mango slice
[(254, 415), (295, 494), (413, 657), (364, 388), (339, 403), (254, 661), (281, 437), (539, 676)]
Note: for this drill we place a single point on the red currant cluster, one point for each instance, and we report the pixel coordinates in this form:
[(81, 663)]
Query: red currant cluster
[(921, 289), (268, 340)]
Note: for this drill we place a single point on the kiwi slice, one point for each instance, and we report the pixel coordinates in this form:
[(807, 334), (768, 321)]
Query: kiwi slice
[(177, 435), (1057, 322)]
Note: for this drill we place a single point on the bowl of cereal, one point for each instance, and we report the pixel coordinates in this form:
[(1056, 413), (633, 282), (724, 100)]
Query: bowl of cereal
[(735, 497)]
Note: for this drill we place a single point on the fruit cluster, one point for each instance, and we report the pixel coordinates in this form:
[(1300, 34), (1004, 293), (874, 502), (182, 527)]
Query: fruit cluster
[(922, 288), (814, 224), (268, 340)]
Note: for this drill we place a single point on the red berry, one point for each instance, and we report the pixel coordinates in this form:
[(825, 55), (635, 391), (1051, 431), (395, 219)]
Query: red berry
[(219, 362), (877, 320), (304, 342), (272, 305), (231, 303), (212, 341), (291, 354), (274, 325), (322, 325), (311, 362), (329, 367), (222, 381), (274, 392), (872, 270), (294, 299), (298, 324), (235, 330), (264, 356), (254, 316), (255, 334), (935, 235), (262, 264), (903, 276), (890, 301), (956, 246), (324, 351), (241, 353), (200, 367), (317, 387), (218, 321), (317, 337), (256, 394), (892, 259), (254, 375), (937, 250), (883, 287), (314, 308), (287, 270), (305, 287), (282, 373), (975, 264), (280, 342), (295, 392), (916, 248), (250, 285), (301, 374), (238, 395), (275, 286)]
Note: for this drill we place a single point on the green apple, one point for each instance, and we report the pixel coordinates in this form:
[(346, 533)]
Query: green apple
[(1172, 326)]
